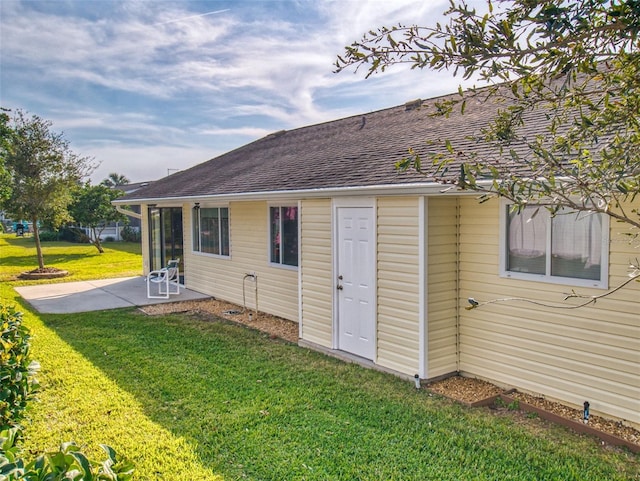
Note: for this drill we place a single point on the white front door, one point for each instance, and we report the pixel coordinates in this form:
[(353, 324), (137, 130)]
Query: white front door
[(356, 281)]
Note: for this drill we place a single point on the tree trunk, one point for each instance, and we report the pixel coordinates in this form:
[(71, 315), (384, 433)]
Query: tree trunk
[(96, 240), (36, 237)]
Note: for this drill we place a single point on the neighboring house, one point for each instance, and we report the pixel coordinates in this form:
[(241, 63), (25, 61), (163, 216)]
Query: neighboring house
[(377, 265), (129, 188)]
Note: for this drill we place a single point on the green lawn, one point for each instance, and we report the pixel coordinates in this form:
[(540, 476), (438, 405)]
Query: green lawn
[(83, 261), (201, 399)]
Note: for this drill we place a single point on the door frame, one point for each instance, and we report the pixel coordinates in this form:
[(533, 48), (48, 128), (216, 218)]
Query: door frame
[(162, 212), (337, 203)]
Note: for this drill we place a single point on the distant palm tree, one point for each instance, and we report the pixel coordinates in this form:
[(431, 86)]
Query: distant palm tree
[(115, 180)]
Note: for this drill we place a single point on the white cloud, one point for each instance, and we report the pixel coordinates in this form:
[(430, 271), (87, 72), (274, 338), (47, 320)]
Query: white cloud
[(250, 132), (144, 163), (146, 85)]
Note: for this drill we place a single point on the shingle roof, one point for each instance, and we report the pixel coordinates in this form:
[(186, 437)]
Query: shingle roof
[(131, 187), (355, 151)]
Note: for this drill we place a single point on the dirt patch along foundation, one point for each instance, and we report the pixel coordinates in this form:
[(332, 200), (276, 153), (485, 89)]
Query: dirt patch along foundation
[(272, 325)]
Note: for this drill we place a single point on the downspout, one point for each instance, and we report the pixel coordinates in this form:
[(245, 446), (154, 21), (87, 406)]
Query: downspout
[(129, 213), (423, 289), (458, 284)]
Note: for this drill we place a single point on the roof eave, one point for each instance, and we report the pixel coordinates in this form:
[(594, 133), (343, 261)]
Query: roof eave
[(423, 188)]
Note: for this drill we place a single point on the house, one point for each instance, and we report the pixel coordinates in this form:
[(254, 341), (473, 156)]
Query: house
[(133, 212), (378, 265), (134, 221)]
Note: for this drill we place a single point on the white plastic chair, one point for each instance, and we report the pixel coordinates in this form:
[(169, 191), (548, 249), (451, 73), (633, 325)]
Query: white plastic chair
[(167, 279)]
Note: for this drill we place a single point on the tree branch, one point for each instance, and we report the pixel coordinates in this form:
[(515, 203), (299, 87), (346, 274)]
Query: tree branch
[(634, 276)]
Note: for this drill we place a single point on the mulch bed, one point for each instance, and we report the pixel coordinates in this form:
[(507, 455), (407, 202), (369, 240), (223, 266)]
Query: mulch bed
[(465, 389), (275, 326), (476, 392), (44, 273)]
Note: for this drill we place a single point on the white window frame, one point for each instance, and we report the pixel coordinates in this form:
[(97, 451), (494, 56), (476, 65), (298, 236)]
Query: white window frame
[(198, 251), (281, 205), (603, 283)]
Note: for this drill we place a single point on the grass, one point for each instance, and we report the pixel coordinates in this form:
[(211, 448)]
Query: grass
[(200, 399), (83, 261)]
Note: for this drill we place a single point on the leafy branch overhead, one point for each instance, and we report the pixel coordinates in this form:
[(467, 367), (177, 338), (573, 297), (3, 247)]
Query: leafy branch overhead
[(561, 85)]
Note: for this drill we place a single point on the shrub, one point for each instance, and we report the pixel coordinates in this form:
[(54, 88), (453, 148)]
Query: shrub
[(16, 369), (49, 236), (66, 463), (130, 234), (18, 386), (73, 234)]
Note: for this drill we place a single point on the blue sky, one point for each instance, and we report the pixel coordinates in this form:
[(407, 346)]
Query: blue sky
[(150, 87)]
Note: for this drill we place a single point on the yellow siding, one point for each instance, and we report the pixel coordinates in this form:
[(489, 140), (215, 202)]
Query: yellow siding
[(587, 354), (223, 277), (398, 282), (316, 277), (441, 286)]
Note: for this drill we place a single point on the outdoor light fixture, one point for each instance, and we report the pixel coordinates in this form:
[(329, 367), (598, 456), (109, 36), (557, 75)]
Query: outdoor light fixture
[(196, 206), (472, 304)]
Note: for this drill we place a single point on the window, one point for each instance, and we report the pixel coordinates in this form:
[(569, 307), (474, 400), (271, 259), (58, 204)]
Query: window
[(211, 230), (283, 236), (569, 248)]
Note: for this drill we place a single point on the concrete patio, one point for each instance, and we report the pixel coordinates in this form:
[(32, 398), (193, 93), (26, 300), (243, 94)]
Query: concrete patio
[(96, 295)]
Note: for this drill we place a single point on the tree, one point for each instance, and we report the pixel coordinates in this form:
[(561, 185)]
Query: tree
[(91, 207), (576, 63), (43, 171), (114, 179), (5, 135)]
